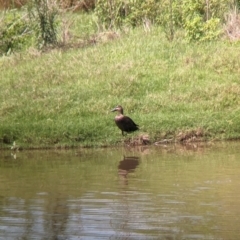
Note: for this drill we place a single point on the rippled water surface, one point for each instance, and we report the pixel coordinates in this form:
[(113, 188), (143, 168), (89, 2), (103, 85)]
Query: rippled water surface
[(164, 192)]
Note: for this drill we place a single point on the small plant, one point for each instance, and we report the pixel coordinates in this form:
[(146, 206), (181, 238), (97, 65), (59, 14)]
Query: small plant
[(200, 19), (111, 13), (211, 29), (117, 13), (44, 14), (15, 33)]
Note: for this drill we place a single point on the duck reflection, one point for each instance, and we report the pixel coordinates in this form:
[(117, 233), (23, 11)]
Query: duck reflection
[(127, 165)]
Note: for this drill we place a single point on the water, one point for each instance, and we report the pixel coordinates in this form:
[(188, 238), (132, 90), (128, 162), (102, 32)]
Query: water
[(164, 192)]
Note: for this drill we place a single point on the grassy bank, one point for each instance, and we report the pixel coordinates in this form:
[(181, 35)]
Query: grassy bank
[(171, 89)]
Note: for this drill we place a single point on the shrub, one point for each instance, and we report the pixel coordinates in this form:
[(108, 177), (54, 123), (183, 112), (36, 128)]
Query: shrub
[(211, 29), (43, 14), (17, 27), (117, 13), (199, 18), (15, 32)]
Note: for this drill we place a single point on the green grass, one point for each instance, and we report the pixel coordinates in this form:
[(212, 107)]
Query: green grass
[(64, 98)]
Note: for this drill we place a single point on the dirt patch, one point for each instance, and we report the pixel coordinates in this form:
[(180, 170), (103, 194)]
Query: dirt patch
[(190, 135), (140, 140)]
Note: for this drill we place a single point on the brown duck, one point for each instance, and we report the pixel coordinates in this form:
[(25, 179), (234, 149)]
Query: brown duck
[(124, 123)]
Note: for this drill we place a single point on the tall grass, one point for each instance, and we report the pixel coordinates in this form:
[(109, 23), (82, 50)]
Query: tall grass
[(64, 98)]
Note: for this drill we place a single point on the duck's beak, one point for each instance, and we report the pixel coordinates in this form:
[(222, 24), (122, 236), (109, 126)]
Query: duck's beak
[(113, 110)]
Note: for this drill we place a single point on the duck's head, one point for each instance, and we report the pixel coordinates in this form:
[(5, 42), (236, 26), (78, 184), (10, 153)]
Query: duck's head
[(118, 108)]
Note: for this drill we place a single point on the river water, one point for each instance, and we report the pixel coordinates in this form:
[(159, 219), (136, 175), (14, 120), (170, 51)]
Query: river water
[(163, 192)]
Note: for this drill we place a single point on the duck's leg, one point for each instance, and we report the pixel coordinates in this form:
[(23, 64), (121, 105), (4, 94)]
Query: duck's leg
[(123, 133)]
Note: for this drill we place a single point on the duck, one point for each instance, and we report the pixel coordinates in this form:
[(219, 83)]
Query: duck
[(124, 123)]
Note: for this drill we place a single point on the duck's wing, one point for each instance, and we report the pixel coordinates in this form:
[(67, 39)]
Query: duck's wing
[(129, 124)]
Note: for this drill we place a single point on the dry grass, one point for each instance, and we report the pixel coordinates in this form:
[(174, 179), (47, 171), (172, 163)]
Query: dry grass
[(232, 26), (73, 5)]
